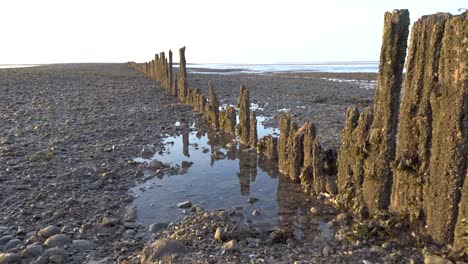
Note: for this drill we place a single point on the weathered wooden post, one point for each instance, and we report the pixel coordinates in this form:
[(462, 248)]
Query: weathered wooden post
[(243, 104)]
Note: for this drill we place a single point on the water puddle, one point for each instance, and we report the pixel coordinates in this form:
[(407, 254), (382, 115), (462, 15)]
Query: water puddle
[(212, 171)]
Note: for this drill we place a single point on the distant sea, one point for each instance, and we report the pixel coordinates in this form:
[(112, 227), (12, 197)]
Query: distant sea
[(353, 66), (8, 66)]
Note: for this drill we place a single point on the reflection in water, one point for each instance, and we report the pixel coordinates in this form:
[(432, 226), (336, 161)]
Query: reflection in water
[(215, 167), (185, 143)]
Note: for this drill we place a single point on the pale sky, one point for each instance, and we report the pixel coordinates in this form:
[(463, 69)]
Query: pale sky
[(240, 31)]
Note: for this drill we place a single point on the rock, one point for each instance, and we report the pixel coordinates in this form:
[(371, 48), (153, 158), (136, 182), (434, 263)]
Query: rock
[(48, 231), (219, 234), (253, 242), (387, 245), (256, 212), (160, 249), (326, 250), (10, 258), (55, 251), (130, 215), (131, 225), (185, 204), (5, 239), (57, 259), (12, 244), (109, 221), (130, 233), (155, 164), (231, 245), (314, 210), (186, 164), (252, 200), (153, 228), (32, 251), (59, 240), (83, 245), (434, 259), (341, 218), (278, 236), (108, 175)]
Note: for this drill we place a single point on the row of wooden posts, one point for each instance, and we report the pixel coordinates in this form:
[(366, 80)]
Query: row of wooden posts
[(407, 156)]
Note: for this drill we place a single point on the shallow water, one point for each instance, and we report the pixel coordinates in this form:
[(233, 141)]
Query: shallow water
[(220, 68), (215, 172), (11, 66)]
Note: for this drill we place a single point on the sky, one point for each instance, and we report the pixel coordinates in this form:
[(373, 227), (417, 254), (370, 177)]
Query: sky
[(213, 31)]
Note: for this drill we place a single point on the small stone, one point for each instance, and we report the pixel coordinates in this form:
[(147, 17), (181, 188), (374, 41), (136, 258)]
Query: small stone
[(159, 249), (185, 204), (231, 245), (155, 164), (48, 231), (153, 228), (367, 262), (108, 175), (252, 200), (343, 217), (130, 233), (5, 239), (32, 251), (186, 164), (57, 259), (278, 236), (82, 245), (131, 225), (434, 259), (314, 210), (59, 240), (253, 242), (130, 215), (387, 245), (10, 258), (109, 221), (12, 244), (256, 212), (326, 251), (55, 251), (219, 234)]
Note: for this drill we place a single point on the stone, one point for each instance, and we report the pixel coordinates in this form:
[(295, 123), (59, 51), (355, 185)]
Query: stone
[(32, 251), (257, 212), (12, 244), (10, 258), (232, 245), (59, 240), (326, 250), (377, 165), (155, 164), (5, 239), (161, 249), (109, 221), (83, 245), (253, 242), (342, 217), (219, 234), (48, 231), (130, 233), (185, 204), (55, 251), (130, 215), (434, 259), (131, 225), (153, 228), (278, 236), (57, 259)]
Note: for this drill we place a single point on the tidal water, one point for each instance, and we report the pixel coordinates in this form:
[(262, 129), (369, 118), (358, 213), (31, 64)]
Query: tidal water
[(10, 66), (356, 66), (215, 172)]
